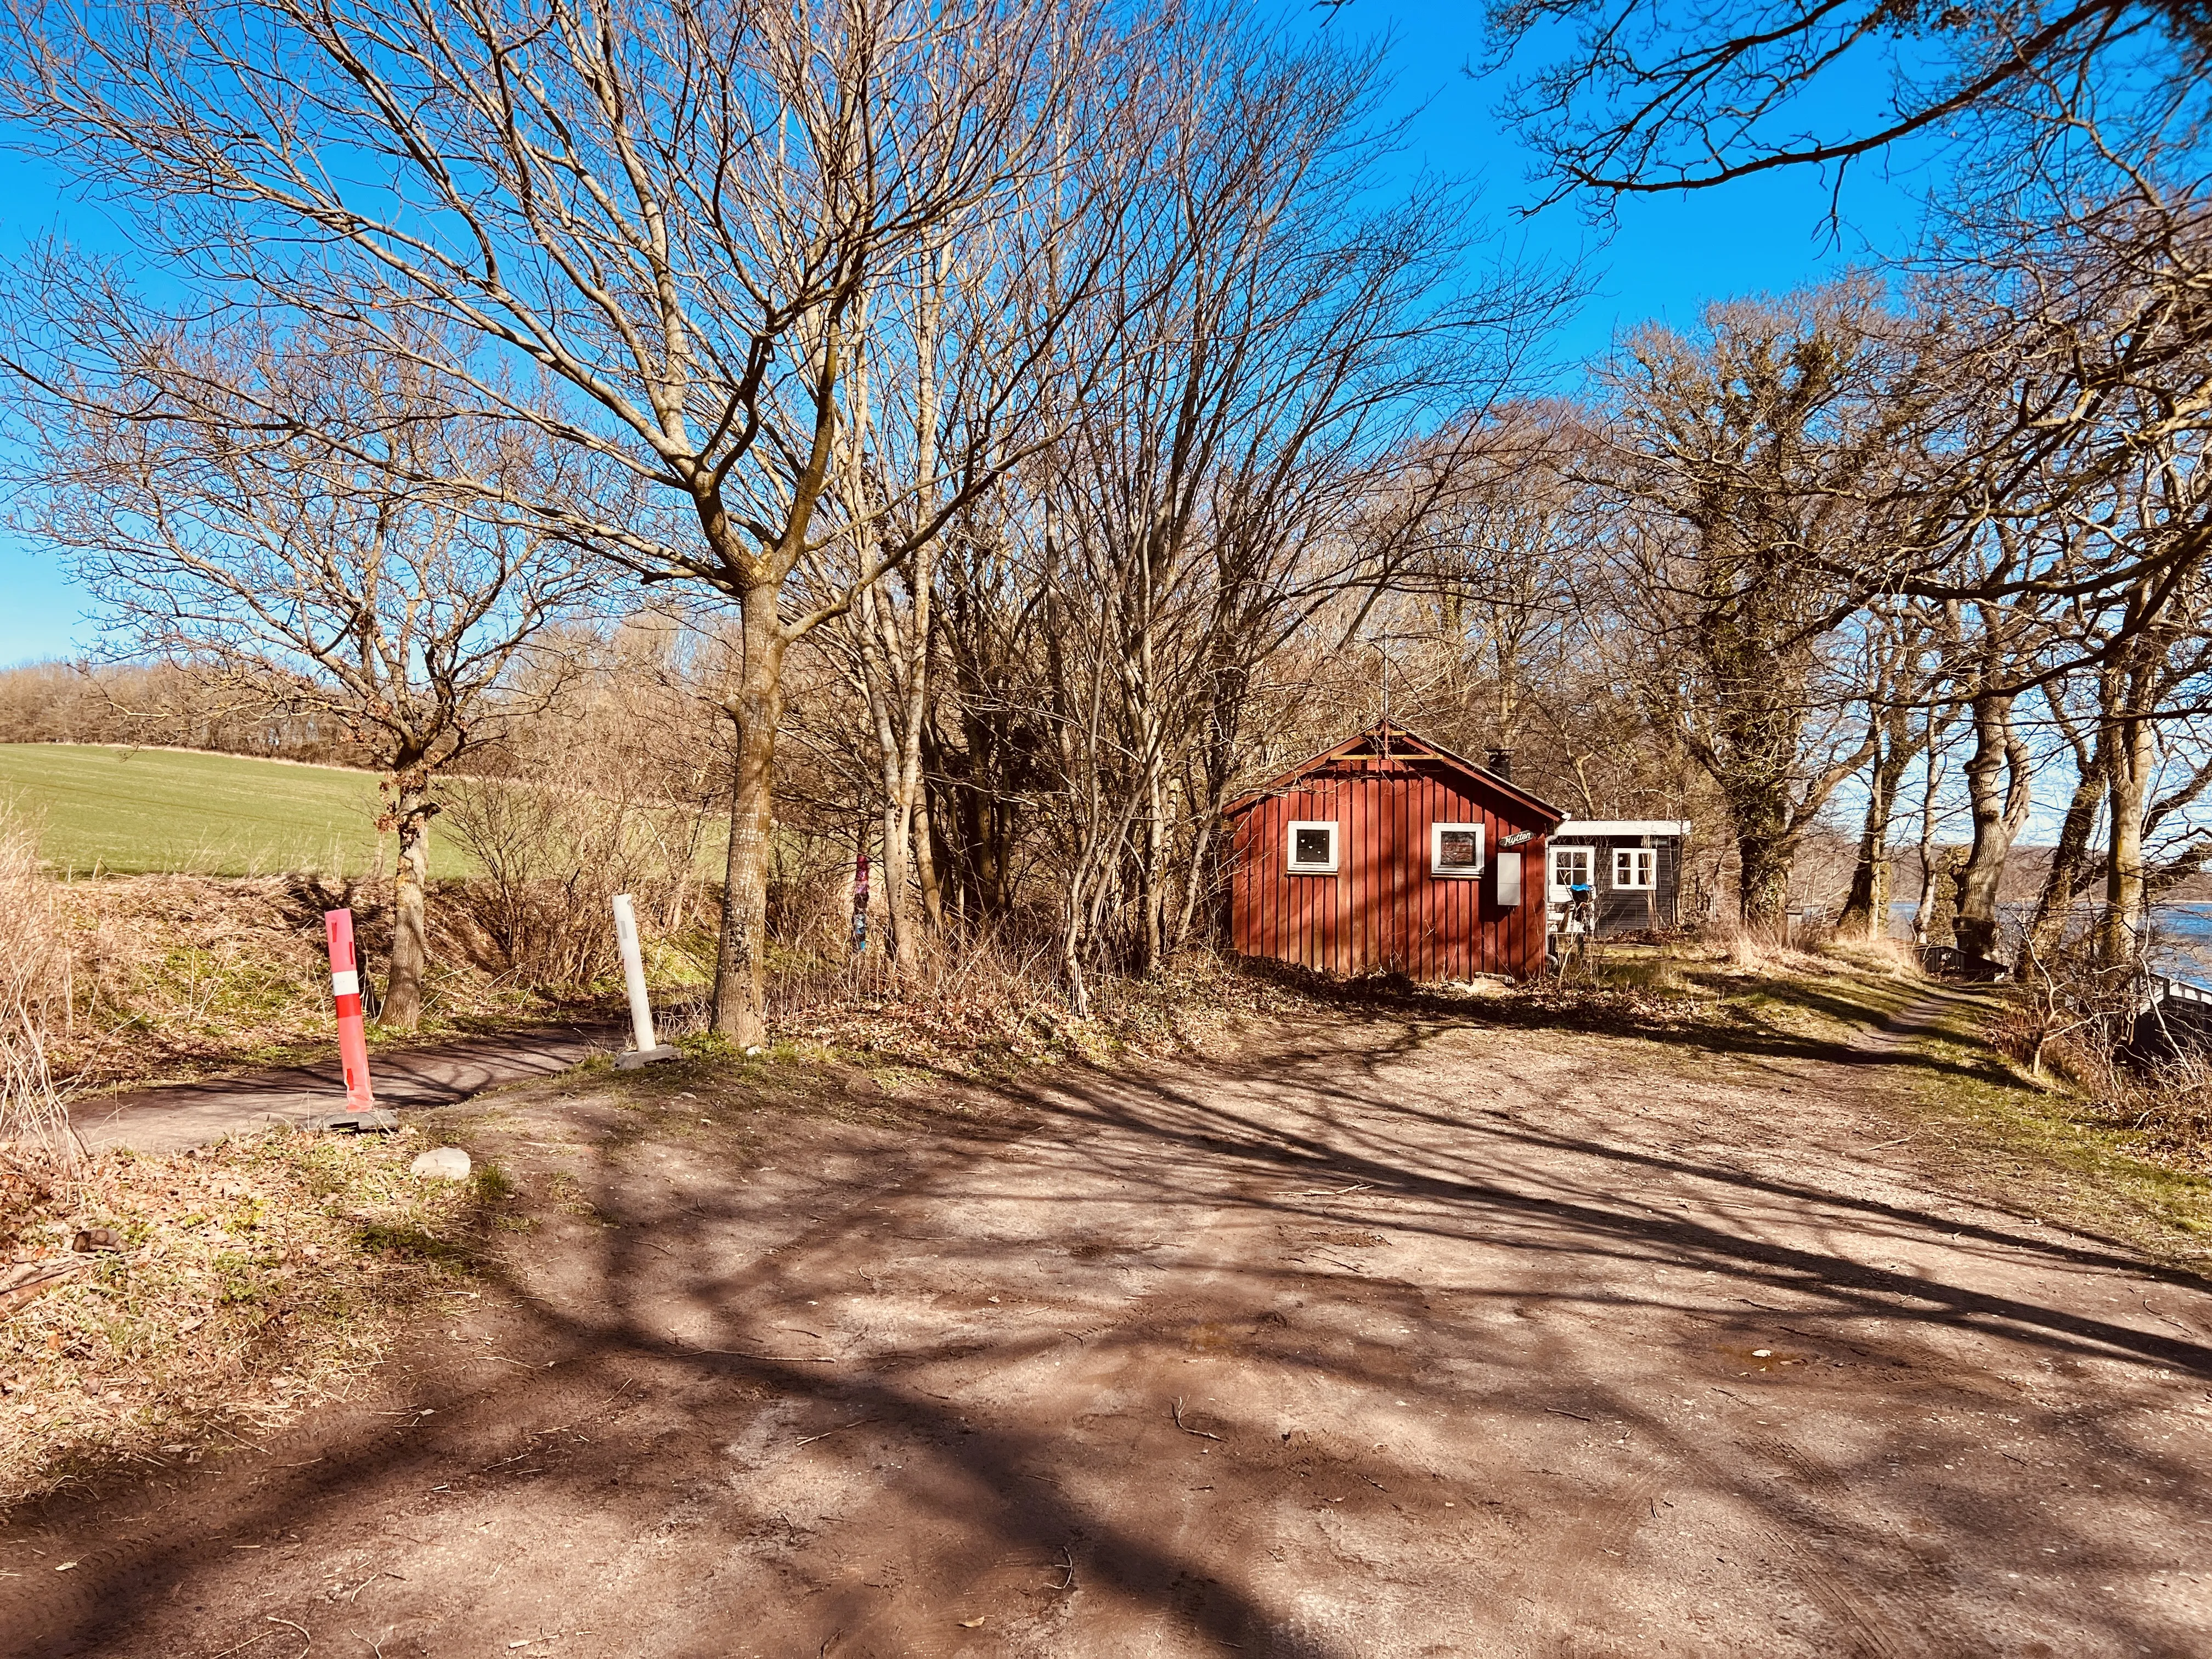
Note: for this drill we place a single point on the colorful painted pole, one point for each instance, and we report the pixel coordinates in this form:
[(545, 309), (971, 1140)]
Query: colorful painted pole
[(345, 993)]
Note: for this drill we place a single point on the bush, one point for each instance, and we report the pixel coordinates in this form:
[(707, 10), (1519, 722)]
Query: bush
[(2077, 1017), (556, 849)]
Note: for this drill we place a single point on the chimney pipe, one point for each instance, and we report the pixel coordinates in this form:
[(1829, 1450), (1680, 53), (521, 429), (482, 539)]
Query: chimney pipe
[(1501, 762)]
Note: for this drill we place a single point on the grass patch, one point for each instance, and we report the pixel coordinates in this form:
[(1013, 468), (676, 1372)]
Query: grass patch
[(2050, 1153), (131, 812), (2023, 1147), (253, 1278), (1829, 995), (1837, 1005)]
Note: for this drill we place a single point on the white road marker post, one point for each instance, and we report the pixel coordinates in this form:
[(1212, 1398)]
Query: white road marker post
[(649, 1046)]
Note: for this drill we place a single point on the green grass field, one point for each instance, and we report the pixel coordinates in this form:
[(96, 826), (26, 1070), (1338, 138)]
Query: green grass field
[(128, 812)]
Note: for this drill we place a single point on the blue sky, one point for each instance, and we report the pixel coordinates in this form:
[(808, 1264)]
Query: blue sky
[(1666, 257)]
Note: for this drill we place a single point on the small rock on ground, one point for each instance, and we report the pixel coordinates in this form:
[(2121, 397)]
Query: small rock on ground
[(441, 1164)]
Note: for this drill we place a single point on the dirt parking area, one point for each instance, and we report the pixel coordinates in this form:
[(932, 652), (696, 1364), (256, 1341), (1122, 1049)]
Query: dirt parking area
[(1381, 1339)]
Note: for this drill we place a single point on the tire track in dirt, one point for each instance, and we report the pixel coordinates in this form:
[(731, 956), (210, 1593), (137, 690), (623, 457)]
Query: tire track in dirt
[(1861, 1626)]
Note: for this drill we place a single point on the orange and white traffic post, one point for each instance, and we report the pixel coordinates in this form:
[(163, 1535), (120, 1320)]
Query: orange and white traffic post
[(345, 992)]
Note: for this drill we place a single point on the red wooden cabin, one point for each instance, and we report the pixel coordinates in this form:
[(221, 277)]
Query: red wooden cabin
[(1387, 852)]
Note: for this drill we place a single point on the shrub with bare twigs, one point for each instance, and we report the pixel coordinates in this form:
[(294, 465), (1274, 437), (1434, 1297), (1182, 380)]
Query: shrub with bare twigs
[(2084, 1015)]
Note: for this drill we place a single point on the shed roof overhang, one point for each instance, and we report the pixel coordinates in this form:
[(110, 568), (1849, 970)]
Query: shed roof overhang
[(1414, 747)]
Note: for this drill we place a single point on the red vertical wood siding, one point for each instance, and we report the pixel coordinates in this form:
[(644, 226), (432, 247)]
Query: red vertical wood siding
[(1382, 908)]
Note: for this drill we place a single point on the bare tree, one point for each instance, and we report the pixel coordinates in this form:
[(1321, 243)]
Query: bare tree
[(1746, 470), (1894, 675), (964, 371), (671, 212), (1254, 450), (1999, 774), (1633, 96), (2152, 681), (301, 566), (1935, 862)]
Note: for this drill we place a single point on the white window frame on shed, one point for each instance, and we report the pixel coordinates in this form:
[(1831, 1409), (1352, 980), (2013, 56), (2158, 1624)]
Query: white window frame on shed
[(1290, 860), (1635, 869), (1456, 871), (1557, 854)]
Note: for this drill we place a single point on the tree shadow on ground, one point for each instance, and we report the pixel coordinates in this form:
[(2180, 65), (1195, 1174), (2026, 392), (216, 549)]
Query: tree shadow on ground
[(1675, 1021), (1214, 1216)]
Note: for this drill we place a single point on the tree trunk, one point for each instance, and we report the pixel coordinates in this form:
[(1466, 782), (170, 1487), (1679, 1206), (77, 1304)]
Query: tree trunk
[(1153, 873), (2069, 859), (892, 677), (908, 811), (1196, 884), (1754, 761), (1763, 882), (410, 875), (1998, 809), (1764, 850), (897, 868), (740, 988), (925, 860), (1927, 914), (2120, 930), (1923, 913), (908, 657), (1866, 910)]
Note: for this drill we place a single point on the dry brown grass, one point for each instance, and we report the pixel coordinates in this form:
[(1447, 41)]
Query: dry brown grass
[(33, 991), (1767, 951), (251, 1279), (1877, 954), (1725, 951), (174, 975), (990, 1006), (2162, 1107), (2168, 1109)]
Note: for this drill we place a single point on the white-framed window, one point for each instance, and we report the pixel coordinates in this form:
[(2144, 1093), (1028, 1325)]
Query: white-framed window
[(1635, 866), (1311, 847), (1571, 867), (1454, 849)]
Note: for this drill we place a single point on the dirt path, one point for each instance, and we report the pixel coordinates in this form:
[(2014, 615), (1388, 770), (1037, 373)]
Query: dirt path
[(1481, 1342), (175, 1116)]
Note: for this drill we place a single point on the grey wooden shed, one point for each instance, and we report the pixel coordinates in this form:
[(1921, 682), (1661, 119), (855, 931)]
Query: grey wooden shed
[(1633, 867)]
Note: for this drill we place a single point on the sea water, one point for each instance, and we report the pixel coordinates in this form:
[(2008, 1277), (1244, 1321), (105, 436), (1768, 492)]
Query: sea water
[(2181, 935)]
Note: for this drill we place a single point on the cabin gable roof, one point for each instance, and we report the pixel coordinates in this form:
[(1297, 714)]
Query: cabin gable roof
[(1402, 743)]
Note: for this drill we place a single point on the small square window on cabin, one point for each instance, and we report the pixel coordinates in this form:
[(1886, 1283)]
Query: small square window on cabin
[(1454, 849), (1313, 846), (1571, 868), (1635, 866)]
